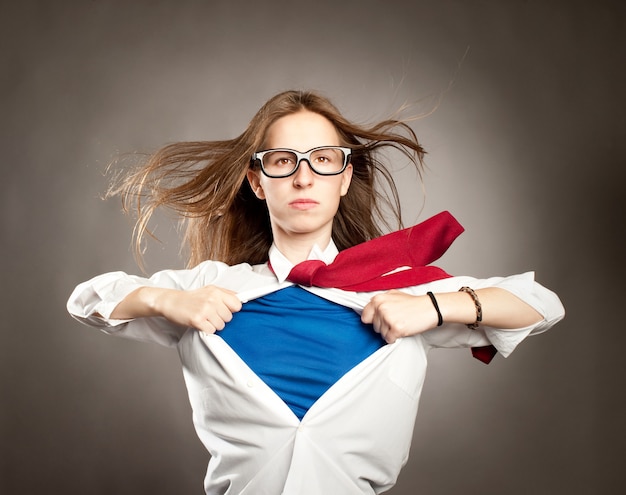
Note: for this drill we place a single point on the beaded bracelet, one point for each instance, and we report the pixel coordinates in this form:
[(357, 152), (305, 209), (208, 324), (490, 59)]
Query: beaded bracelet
[(439, 317), (479, 308)]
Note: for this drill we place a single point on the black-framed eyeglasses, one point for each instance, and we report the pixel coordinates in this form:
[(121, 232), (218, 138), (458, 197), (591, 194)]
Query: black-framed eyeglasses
[(283, 162)]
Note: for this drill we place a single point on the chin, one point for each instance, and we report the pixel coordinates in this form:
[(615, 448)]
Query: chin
[(306, 226)]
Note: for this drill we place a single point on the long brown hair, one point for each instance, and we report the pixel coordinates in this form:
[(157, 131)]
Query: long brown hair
[(204, 183)]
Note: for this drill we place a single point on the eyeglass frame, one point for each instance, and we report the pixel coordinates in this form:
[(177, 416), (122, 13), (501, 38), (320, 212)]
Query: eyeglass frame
[(258, 157)]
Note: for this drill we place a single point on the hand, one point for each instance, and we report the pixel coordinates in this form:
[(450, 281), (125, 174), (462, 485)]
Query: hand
[(207, 309), (396, 314)]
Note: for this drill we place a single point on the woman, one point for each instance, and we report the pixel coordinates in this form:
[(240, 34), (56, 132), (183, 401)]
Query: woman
[(297, 388)]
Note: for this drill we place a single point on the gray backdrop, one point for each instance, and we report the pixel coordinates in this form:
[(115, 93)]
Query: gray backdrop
[(526, 148)]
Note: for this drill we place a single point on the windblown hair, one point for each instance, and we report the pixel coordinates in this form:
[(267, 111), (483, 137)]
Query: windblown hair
[(204, 183)]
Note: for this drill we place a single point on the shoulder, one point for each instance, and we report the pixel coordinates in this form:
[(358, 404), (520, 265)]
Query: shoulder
[(234, 277)]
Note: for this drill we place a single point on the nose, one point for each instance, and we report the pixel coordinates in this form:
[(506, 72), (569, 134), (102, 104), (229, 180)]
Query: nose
[(304, 175)]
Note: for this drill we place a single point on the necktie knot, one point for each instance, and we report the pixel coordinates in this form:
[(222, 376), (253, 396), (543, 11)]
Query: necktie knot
[(303, 273)]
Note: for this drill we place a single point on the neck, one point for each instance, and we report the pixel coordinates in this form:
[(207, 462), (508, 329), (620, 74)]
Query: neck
[(296, 248)]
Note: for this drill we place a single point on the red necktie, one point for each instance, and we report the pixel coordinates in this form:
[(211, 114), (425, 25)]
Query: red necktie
[(372, 265)]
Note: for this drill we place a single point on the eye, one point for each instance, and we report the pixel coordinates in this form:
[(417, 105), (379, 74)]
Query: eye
[(326, 157), (323, 159), (280, 159)]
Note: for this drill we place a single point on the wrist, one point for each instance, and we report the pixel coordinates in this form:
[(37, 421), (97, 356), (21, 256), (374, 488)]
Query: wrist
[(433, 299), (456, 307), (477, 305), (153, 300)]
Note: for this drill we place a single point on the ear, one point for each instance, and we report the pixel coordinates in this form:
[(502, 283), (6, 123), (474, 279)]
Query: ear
[(255, 183), (346, 179)]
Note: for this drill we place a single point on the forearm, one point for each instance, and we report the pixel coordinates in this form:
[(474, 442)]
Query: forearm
[(142, 302), (158, 309), (500, 308), (207, 309)]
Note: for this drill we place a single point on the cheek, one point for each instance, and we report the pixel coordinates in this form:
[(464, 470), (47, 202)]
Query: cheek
[(271, 191)]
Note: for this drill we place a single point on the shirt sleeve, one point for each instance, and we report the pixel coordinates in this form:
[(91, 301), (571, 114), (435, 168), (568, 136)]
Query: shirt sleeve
[(93, 301), (524, 286)]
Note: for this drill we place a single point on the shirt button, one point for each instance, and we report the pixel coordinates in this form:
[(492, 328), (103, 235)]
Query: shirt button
[(250, 383)]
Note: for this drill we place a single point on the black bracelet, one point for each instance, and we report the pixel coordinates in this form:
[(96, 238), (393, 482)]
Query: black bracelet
[(439, 317)]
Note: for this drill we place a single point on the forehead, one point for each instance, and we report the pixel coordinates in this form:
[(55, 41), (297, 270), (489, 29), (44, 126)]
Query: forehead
[(301, 131)]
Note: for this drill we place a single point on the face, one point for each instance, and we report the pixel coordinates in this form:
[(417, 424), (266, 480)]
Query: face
[(303, 205)]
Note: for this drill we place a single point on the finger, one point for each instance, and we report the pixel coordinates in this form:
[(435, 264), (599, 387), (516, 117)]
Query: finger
[(227, 297), (382, 326), (203, 325), (390, 338), (385, 333), (367, 315), (377, 323), (232, 302), (215, 322), (207, 328), (223, 313)]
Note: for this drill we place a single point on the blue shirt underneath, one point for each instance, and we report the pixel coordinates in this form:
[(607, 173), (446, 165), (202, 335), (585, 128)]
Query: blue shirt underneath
[(299, 344)]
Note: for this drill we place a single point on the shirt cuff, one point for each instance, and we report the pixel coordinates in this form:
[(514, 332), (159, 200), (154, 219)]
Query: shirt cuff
[(505, 341), (93, 302)]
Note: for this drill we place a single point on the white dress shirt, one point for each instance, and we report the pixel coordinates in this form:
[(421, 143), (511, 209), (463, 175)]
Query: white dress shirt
[(356, 436)]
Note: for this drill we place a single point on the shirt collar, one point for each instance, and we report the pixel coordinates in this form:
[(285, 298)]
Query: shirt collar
[(282, 266)]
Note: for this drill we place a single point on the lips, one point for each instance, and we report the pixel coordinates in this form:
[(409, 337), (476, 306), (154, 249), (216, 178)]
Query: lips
[(304, 204)]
